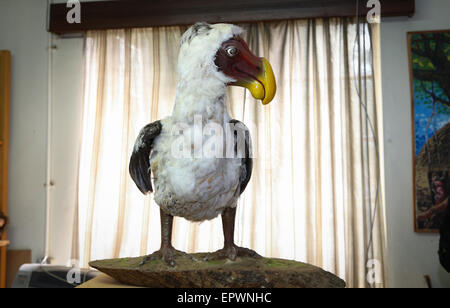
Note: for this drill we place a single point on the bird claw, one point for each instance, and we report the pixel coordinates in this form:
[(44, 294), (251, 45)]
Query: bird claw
[(231, 252), (167, 255)]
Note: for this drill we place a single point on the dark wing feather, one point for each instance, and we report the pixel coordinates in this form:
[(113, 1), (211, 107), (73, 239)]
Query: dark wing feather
[(140, 158), (247, 160), (444, 242)]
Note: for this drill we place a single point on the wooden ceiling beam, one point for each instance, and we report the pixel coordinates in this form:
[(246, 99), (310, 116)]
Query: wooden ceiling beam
[(100, 15)]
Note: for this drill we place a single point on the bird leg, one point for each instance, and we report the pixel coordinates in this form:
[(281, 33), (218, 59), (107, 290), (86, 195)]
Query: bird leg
[(167, 252), (230, 250)]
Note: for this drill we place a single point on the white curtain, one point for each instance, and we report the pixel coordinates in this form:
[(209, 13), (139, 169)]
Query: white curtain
[(315, 194)]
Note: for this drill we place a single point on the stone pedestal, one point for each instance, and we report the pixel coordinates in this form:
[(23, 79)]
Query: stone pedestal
[(242, 273)]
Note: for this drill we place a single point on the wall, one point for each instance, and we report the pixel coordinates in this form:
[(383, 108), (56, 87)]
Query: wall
[(411, 255), (23, 31), (67, 75)]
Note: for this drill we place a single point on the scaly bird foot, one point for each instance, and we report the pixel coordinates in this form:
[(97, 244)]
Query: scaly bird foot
[(168, 255), (231, 252)]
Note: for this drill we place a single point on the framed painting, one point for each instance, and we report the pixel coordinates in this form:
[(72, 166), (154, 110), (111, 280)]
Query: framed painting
[(429, 57)]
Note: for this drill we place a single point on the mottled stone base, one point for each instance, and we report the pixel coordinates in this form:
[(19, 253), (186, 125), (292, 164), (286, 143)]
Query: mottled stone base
[(242, 273)]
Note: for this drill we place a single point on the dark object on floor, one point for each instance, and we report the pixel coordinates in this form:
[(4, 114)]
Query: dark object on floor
[(428, 281), (245, 272), (3, 223), (14, 260), (51, 276), (444, 243)]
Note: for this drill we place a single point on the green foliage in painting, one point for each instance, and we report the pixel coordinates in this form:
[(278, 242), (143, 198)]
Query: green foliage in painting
[(431, 64)]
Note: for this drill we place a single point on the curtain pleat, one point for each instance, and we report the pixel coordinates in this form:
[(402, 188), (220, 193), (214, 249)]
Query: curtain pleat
[(315, 193)]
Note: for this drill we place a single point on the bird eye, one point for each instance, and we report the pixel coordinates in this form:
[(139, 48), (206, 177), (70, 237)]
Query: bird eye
[(232, 51)]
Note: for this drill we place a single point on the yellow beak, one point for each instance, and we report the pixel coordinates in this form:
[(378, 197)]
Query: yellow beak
[(265, 86)]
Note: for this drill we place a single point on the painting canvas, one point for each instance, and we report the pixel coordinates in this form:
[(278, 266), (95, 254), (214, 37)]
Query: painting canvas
[(430, 85)]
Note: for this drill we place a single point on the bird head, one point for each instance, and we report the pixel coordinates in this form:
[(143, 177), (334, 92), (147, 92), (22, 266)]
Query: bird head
[(218, 52)]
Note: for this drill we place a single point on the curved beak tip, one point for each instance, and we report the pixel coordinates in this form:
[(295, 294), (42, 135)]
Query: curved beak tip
[(263, 87), (268, 80)]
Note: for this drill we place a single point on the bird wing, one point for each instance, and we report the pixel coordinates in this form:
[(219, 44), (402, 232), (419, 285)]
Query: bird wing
[(247, 160), (140, 158), (444, 242)]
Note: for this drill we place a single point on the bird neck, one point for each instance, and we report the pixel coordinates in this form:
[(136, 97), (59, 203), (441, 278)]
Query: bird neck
[(200, 97)]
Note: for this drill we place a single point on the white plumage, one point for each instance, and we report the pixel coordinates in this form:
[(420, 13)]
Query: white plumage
[(196, 188)]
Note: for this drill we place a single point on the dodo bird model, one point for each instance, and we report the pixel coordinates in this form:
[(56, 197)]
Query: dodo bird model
[(199, 187)]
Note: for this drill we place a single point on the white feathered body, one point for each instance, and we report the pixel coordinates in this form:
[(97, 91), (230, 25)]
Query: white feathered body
[(196, 188)]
